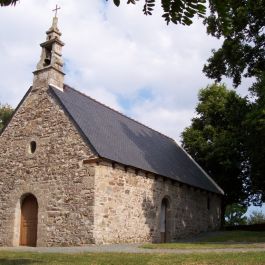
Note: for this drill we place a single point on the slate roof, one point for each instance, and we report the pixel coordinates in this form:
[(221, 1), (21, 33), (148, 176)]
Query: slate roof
[(121, 139)]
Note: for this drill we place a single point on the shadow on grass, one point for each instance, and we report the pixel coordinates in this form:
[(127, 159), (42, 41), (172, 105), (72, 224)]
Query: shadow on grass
[(217, 240), (18, 261)]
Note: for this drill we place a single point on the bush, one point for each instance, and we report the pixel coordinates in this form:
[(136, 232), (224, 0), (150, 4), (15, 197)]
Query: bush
[(234, 214)]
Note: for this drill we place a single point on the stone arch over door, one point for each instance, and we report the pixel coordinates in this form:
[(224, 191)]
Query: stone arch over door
[(165, 220), (28, 221)]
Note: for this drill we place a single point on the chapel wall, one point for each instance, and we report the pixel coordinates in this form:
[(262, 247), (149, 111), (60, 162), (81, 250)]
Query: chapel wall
[(54, 174), (128, 205)]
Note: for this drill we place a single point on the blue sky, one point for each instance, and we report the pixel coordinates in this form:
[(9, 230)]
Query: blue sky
[(255, 208), (133, 63)]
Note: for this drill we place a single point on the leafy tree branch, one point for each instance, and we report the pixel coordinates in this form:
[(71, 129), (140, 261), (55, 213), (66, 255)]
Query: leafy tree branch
[(5, 114)]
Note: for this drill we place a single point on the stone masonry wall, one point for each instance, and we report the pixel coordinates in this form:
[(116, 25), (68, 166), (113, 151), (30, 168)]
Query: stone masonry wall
[(55, 174), (128, 203)]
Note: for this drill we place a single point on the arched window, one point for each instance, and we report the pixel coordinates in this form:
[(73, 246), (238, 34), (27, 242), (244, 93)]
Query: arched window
[(164, 220), (32, 147)]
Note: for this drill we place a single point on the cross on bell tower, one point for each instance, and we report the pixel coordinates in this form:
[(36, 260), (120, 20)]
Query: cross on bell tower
[(50, 67), (55, 10)]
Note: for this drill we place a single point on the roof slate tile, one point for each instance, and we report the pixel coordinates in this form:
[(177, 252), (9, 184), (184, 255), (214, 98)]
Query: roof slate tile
[(124, 140)]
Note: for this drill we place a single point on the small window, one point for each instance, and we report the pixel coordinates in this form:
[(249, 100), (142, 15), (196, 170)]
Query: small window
[(32, 147)]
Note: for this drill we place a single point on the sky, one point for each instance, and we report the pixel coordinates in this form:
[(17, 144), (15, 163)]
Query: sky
[(135, 64)]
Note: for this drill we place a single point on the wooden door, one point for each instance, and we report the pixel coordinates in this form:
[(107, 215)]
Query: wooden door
[(29, 221)]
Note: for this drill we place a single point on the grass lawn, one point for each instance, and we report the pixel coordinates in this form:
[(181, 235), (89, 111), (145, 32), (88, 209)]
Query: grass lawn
[(20, 258), (226, 239)]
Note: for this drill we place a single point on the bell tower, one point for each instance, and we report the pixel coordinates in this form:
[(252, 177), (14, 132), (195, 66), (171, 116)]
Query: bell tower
[(50, 67)]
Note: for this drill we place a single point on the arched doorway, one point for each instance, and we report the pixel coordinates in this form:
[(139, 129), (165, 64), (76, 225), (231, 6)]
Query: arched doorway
[(29, 221), (164, 221)]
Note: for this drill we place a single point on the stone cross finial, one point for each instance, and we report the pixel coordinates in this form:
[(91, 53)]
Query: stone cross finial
[(56, 9)]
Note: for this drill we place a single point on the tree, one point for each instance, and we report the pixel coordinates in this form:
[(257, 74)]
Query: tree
[(8, 2), (241, 24), (256, 145), (216, 140), (256, 140), (256, 218), (234, 214), (5, 114), (176, 11)]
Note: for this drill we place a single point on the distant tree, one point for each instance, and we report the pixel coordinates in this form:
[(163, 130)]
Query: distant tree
[(234, 214), (5, 114), (216, 140), (257, 217)]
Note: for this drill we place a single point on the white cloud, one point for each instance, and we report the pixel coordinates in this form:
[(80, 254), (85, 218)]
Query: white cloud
[(111, 54)]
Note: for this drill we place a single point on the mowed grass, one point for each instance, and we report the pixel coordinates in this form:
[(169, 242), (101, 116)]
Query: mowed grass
[(233, 239), (222, 240), (19, 258)]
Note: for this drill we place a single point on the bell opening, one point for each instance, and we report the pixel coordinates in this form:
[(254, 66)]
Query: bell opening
[(47, 60)]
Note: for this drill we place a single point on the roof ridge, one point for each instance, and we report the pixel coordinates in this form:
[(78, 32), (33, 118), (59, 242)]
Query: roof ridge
[(83, 94)]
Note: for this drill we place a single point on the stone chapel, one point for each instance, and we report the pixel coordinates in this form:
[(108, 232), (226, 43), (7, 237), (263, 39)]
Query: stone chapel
[(76, 172)]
